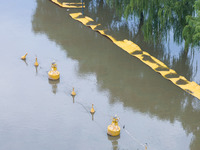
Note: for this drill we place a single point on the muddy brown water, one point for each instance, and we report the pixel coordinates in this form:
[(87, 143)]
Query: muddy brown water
[(36, 113)]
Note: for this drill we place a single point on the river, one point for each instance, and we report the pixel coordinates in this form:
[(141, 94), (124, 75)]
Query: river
[(36, 113)]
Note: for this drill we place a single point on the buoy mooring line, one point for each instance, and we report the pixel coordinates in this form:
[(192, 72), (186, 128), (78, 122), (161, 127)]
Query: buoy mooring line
[(133, 138)]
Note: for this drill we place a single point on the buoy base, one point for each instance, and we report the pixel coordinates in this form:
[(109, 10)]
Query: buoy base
[(36, 64), (92, 112), (54, 75), (73, 94), (113, 130)]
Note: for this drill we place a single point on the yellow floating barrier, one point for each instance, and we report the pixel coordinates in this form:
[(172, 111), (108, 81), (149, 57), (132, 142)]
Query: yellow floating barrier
[(75, 15), (53, 73), (132, 46), (93, 26), (134, 50), (56, 2), (128, 46), (101, 31), (72, 6), (169, 74), (159, 62), (110, 37), (68, 5), (84, 20), (113, 129), (152, 65)]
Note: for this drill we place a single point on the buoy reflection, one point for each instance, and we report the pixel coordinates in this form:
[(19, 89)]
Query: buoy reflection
[(24, 60), (114, 141), (36, 70), (54, 84)]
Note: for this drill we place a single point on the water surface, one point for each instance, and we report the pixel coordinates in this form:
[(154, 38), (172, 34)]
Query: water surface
[(38, 114)]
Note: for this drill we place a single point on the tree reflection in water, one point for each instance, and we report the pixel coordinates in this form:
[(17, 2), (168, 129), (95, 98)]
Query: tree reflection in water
[(167, 104)]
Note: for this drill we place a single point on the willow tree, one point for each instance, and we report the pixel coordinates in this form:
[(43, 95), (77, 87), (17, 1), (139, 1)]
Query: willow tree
[(191, 32), (157, 17)]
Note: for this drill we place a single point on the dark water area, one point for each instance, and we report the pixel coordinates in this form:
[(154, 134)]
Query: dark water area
[(36, 113), (168, 46)]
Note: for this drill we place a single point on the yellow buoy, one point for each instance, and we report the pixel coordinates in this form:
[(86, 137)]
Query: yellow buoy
[(54, 74), (92, 111), (36, 64), (73, 93), (145, 146), (24, 57), (114, 129)]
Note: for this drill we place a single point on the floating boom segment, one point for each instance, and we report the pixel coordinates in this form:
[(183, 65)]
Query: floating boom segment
[(134, 50), (75, 15), (69, 5)]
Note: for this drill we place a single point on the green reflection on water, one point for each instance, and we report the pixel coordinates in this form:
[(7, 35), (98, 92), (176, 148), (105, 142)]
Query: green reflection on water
[(157, 18), (131, 84)]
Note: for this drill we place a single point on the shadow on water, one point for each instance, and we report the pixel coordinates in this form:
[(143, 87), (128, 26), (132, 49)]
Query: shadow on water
[(127, 79)]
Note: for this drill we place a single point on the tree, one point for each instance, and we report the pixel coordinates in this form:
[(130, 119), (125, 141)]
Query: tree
[(191, 32), (159, 16)]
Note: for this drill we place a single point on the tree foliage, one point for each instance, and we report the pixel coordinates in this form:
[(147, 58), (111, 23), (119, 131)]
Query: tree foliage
[(191, 32), (159, 17)]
